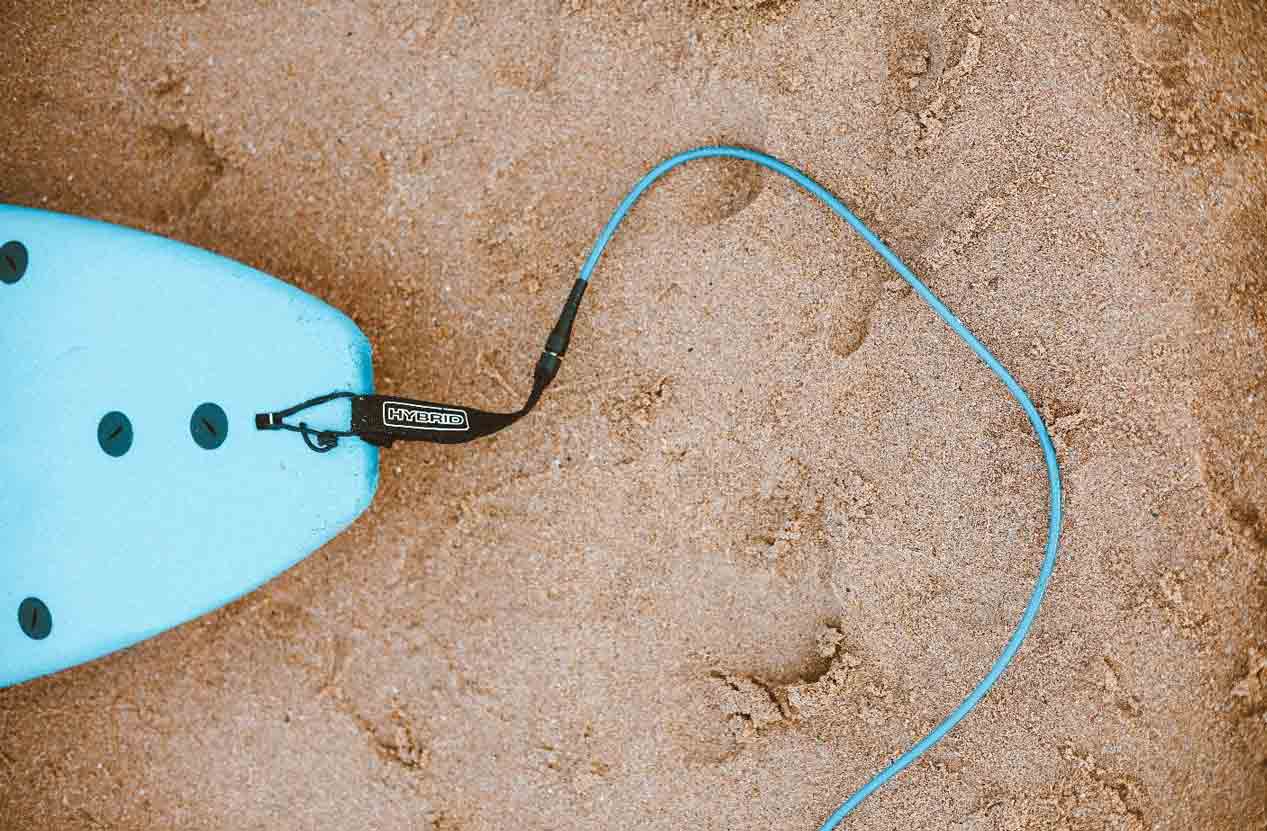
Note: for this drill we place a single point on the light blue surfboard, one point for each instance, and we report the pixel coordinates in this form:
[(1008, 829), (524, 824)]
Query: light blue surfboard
[(135, 491)]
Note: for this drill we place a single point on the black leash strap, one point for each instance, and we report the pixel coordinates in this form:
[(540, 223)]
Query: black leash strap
[(382, 420)]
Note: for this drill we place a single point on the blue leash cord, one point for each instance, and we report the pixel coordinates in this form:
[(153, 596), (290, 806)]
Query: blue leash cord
[(1040, 430)]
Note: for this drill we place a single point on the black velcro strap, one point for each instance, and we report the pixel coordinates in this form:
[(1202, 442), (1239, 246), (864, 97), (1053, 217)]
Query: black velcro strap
[(382, 419)]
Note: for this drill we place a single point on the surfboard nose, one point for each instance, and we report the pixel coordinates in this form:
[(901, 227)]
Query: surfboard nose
[(137, 493)]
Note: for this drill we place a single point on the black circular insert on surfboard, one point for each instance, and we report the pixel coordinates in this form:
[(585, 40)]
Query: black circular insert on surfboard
[(209, 426), (114, 434), (35, 619), (13, 261)]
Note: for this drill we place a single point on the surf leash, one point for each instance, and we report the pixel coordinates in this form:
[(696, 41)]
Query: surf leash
[(383, 420)]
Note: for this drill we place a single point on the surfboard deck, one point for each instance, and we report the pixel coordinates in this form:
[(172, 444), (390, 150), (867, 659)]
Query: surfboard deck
[(135, 492)]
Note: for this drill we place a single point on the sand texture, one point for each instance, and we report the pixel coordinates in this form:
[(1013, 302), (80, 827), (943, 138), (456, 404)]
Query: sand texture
[(774, 520)]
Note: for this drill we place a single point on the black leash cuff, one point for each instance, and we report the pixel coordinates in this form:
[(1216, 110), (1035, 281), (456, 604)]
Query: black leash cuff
[(382, 420)]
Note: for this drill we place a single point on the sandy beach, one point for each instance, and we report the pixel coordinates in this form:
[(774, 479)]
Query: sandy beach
[(774, 520)]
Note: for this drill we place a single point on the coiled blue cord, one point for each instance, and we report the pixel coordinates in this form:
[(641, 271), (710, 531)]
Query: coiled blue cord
[(1035, 420)]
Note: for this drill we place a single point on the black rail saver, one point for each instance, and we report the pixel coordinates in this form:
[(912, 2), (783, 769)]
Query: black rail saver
[(383, 420)]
